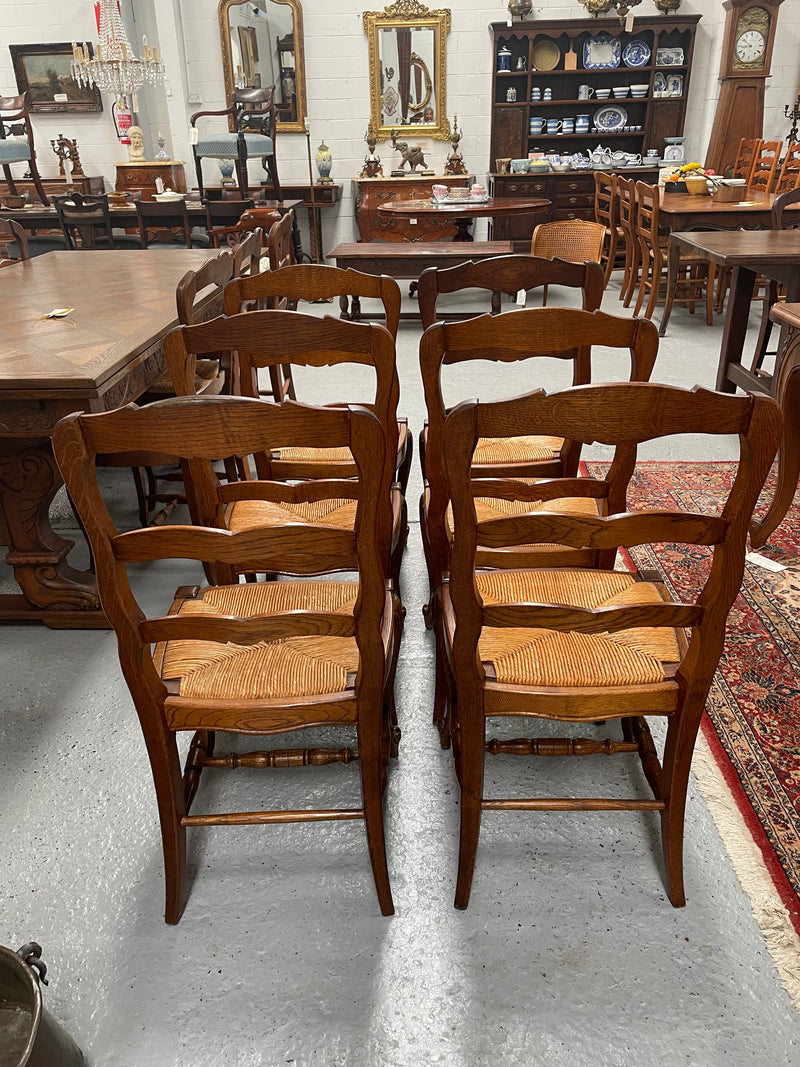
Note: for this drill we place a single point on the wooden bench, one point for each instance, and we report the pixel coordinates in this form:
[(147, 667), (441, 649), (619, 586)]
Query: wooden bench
[(408, 259)]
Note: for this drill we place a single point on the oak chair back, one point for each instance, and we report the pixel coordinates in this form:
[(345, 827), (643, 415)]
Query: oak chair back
[(507, 275), (746, 155), (593, 645), (764, 171), (517, 338), (789, 174), (250, 659), (606, 212), (625, 193)]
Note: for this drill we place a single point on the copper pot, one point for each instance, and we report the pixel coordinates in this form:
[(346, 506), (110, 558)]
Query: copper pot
[(29, 1037)]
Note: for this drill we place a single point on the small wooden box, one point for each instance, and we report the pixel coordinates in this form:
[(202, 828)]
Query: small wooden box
[(729, 194)]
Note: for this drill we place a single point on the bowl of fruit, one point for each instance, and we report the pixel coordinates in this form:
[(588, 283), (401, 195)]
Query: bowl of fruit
[(690, 178)]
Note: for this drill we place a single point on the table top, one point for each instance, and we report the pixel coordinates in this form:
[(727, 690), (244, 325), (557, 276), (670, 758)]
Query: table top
[(498, 205), (755, 201), (125, 215), (743, 247), (123, 300)]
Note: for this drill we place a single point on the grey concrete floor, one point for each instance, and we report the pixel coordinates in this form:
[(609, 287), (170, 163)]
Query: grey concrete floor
[(569, 953)]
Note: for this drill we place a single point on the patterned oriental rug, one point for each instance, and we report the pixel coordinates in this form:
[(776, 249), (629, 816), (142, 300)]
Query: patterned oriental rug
[(751, 727)]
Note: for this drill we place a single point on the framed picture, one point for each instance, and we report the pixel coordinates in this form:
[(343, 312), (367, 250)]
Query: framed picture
[(43, 71)]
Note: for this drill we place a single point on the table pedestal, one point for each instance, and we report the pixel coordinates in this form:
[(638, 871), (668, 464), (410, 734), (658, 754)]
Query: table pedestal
[(52, 591)]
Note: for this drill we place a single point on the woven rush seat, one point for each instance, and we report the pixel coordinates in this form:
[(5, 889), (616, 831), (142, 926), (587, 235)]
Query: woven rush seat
[(250, 514), (487, 508), (536, 657), (334, 455), (528, 449), (291, 667)]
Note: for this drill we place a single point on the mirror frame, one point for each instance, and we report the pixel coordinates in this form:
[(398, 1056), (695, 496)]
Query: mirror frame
[(409, 13), (299, 60)]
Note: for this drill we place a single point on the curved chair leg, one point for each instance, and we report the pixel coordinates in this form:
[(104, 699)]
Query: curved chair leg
[(167, 779), (471, 796), (37, 181), (369, 743), (677, 761)]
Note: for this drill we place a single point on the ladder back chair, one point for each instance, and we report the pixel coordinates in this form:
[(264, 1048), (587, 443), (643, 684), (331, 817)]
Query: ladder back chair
[(789, 174), (695, 279), (506, 275), (212, 376), (16, 141), (260, 659), (515, 338), (288, 285), (261, 339), (575, 240), (763, 173), (252, 114), (587, 646), (746, 155), (606, 212), (626, 206)]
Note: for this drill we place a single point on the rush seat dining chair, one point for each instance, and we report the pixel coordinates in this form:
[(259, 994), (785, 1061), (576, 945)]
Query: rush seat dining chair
[(606, 212), (261, 659), (520, 338), (789, 174), (695, 278), (16, 141), (585, 647), (626, 206), (263, 338), (575, 240), (252, 113), (288, 286), (746, 155), (764, 171), (506, 275)]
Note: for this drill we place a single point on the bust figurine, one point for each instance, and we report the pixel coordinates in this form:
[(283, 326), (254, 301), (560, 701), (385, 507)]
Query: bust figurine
[(136, 147)]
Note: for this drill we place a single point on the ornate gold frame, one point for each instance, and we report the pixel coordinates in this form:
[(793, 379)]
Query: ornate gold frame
[(409, 13), (299, 59)]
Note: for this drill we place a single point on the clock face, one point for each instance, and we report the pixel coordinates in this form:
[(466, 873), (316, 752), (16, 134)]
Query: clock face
[(750, 46)]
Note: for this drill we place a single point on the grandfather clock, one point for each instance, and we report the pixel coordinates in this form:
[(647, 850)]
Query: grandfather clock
[(746, 57)]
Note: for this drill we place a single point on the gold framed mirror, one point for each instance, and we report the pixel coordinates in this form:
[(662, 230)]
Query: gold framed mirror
[(262, 44), (408, 70)]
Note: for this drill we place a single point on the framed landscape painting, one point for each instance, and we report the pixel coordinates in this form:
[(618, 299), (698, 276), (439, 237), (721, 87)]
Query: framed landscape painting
[(43, 71)]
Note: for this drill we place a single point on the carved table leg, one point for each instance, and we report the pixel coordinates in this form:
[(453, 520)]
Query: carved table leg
[(53, 591)]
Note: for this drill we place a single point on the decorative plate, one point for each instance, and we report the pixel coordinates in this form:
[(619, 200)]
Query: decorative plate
[(601, 52), (675, 84), (659, 83), (669, 57), (636, 53), (610, 118), (546, 54)]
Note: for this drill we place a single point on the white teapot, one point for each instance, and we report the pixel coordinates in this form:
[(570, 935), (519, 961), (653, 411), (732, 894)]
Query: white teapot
[(601, 156)]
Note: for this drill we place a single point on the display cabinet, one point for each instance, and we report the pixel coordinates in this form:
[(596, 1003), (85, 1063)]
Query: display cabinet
[(556, 69)]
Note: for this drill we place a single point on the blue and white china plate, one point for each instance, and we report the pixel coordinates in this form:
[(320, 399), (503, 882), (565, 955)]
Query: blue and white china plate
[(669, 57), (636, 53), (610, 118), (601, 52), (659, 83)]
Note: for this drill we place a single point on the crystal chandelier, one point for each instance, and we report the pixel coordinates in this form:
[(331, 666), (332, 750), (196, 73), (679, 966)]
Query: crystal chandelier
[(115, 68)]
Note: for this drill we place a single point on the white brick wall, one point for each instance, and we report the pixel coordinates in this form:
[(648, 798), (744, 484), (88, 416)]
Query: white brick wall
[(337, 80)]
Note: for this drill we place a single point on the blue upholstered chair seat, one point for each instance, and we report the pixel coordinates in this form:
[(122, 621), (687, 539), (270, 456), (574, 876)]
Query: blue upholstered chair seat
[(13, 150), (223, 145)]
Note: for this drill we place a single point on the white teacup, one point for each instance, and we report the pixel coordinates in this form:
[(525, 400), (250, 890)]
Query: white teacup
[(440, 192)]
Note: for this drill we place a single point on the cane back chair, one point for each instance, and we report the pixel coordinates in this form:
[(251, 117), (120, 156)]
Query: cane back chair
[(585, 646), (575, 240), (262, 659)]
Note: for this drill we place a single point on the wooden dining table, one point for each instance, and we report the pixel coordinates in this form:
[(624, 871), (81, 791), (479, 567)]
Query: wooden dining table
[(461, 213), (682, 211), (104, 353), (775, 254)]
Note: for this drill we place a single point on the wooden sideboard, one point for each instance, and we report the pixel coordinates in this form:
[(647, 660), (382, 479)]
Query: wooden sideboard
[(141, 177), (571, 195), (55, 186), (372, 193)]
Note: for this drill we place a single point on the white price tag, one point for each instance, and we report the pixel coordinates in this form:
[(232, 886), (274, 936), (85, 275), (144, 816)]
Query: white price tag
[(193, 135), (412, 222), (765, 562), (629, 22), (522, 296)]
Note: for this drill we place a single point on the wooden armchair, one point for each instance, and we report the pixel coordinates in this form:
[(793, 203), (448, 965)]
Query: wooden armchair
[(16, 141), (587, 646), (263, 659), (252, 112)]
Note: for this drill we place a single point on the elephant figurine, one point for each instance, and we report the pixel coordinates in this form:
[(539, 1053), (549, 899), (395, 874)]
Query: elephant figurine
[(412, 154)]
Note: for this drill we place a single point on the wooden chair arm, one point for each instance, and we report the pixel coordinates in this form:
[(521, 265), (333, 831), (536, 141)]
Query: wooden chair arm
[(199, 114)]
